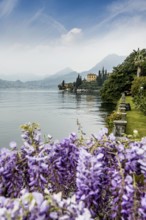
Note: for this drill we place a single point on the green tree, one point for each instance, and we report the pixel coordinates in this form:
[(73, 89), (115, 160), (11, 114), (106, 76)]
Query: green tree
[(120, 79), (78, 81), (102, 76), (138, 85), (63, 83), (139, 60), (138, 91), (115, 85), (99, 78)]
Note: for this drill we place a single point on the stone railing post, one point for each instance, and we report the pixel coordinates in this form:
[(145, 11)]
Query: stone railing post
[(119, 127)]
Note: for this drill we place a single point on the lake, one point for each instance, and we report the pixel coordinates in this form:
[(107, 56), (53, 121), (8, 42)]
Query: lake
[(57, 113)]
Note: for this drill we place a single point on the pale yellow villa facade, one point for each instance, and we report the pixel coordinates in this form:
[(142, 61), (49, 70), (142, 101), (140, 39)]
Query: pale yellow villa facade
[(91, 77)]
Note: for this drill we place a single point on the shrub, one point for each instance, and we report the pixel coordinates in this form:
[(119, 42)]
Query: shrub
[(142, 105), (110, 119), (138, 90), (137, 85)]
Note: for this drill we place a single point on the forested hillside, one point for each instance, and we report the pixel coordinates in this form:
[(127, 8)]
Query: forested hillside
[(120, 80)]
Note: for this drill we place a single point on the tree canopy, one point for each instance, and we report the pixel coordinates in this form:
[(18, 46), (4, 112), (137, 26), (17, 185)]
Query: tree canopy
[(139, 60), (120, 80)]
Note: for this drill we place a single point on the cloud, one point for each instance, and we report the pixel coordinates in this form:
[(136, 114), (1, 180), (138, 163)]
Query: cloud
[(51, 47), (41, 18), (118, 7), (35, 28), (7, 6), (48, 58), (71, 36), (120, 10)]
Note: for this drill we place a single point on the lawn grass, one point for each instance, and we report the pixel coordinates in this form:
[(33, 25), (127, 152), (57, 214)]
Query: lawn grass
[(136, 120)]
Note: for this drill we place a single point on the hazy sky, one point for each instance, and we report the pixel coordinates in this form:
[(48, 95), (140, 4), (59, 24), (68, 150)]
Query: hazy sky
[(44, 36)]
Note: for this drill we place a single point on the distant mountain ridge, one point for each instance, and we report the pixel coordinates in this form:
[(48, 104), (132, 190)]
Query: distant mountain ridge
[(108, 63), (21, 77), (66, 74)]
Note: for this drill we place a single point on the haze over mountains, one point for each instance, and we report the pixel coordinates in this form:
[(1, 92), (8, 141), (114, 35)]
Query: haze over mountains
[(67, 74)]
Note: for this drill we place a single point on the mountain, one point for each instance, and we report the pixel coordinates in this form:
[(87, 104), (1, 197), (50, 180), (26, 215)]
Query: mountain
[(108, 63), (21, 77), (60, 73), (67, 74), (46, 83)]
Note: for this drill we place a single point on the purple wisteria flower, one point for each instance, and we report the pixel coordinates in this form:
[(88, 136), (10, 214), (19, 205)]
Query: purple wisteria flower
[(34, 206), (142, 209), (116, 193), (11, 173), (101, 134), (91, 175), (73, 179), (13, 145), (127, 204)]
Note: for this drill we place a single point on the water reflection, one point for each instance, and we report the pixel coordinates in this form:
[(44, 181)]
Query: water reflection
[(56, 111), (87, 104), (107, 107)]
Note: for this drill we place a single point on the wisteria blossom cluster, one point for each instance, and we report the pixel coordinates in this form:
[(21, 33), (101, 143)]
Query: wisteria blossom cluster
[(102, 178)]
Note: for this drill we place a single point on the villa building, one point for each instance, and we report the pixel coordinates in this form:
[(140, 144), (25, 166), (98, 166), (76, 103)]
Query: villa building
[(91, 77)]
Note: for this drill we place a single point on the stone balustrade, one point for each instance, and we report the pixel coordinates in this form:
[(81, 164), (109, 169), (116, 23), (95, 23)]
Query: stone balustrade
[(120, 125)]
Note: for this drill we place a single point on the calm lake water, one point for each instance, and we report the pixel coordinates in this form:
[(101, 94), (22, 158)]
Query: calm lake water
[(55, 111)]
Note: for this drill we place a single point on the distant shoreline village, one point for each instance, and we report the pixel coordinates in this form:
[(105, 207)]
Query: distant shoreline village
[(92, 83)]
